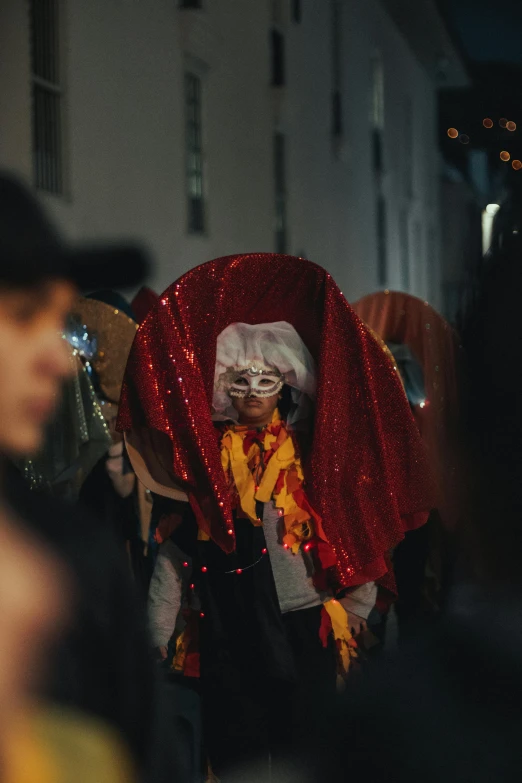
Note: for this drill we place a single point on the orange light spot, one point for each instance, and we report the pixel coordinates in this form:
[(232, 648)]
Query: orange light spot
[(505, 156), (453, 133), (487, 122), (502, 122), (511, 126), (517, 164)]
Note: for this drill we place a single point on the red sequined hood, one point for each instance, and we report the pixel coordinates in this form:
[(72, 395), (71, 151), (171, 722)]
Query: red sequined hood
[(367, 474)]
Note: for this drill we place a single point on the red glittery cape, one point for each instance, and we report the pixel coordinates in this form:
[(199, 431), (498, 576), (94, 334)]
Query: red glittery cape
[(367, 475)]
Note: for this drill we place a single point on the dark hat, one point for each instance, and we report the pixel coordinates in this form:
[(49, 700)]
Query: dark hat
[(31, 250)]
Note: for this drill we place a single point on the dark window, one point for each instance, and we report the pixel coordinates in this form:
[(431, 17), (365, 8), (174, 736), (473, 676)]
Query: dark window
[(337, 114), (278, 58), (280, 192), (47, 96), (297, 11), (404, 238), (337, 100), (409, 151), (191, 3), (377, 151), (194, 153), (382, 241)]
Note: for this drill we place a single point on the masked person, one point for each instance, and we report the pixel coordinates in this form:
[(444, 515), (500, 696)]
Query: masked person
[(286, 426), (428, 355), (105, 326), (100, 666)]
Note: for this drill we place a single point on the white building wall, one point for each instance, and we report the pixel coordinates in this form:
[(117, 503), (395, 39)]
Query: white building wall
[(124, 62)]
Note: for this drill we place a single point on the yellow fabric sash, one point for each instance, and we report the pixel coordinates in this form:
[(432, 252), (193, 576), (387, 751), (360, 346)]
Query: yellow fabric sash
[(257, 477)]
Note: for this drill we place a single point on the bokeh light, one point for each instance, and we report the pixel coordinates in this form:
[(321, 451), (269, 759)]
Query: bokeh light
[(505, 156), (517, 164), (487, 122), (463, 138), (453, 133), (503, 122), (511, 126)]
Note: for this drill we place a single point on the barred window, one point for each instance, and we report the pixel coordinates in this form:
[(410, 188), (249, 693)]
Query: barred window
[(47, 96), (194, 153)]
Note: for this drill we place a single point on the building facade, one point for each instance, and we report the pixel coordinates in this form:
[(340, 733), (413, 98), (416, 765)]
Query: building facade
[(205, 128)]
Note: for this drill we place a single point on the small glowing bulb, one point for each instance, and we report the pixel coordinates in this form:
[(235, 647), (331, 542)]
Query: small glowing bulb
[(453, 133)]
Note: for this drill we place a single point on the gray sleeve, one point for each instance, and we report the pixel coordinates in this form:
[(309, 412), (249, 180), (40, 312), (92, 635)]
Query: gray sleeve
[(165, 593), (361, 600)]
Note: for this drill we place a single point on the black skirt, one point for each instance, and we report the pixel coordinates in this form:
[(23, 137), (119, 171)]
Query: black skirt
[(266, 677)]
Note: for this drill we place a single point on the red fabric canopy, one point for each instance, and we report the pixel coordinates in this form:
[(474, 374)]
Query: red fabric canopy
[(400, 318), (367, 476)]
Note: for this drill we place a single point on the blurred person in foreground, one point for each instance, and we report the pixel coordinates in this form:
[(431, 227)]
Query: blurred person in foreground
[(449, 708), (100, 665)]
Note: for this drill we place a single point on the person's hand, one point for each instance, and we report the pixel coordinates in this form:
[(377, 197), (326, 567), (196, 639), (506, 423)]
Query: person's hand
[(123, 482), (356, 624)]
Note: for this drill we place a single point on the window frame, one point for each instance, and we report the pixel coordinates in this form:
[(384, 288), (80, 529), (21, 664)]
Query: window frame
[(194, 151), (48, 97)]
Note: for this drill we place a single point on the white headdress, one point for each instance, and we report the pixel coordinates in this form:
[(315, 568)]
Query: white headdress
[(274, 351)]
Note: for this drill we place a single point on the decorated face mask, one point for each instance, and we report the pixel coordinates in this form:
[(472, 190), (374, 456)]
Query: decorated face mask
[(255, 381)]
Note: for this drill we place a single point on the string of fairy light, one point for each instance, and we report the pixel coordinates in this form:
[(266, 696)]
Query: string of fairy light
[(488, 123)]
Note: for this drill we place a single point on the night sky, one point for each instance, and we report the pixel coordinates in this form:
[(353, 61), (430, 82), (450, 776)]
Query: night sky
[(489, 29)]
